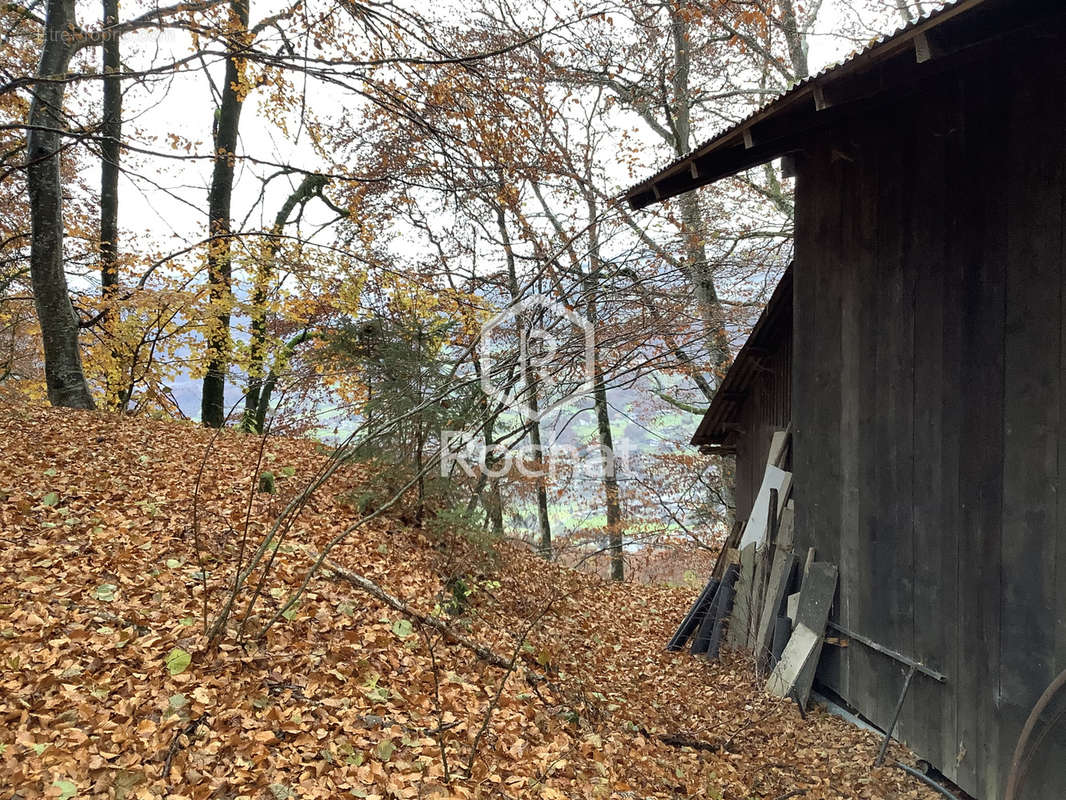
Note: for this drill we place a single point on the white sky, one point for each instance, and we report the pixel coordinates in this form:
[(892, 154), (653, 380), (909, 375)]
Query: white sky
[(183, 106)]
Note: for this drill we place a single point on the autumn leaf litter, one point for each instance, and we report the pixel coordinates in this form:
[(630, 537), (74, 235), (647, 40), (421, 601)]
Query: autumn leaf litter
[(108, 691)]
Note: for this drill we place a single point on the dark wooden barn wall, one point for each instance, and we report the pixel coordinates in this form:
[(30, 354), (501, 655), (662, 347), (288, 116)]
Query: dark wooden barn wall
[(767, 408), (929, 407)]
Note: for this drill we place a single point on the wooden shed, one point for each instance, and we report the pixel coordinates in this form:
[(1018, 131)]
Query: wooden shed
[(926, 354)]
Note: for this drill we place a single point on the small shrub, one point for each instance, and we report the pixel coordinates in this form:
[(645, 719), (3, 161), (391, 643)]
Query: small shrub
[(267, 483), (457, 524)]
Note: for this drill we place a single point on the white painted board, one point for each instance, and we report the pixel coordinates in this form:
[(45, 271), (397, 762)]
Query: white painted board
[(755, 529)]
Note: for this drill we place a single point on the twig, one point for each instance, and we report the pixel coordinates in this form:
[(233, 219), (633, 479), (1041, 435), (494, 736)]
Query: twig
[(926, 780), (675, 740), (175, 744), (678, 740), (447, 726), (503, 682), (437, 732)]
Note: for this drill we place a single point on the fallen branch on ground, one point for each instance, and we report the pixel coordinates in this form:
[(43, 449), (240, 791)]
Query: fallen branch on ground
[(678, 740), (481, 651), (681, 741)]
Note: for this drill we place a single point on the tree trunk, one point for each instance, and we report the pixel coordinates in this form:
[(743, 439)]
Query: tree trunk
[(544, 545), (496, 509), (281, 363), (701, 272), (488, 494), (420, 435), (264, 273), (219, 272), (599, 399), (796, 41), (59, 324), (904, 11), (610, 478), (544, 542), (111, 135)]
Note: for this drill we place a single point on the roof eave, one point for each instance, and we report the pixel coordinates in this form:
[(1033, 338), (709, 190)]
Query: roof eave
[(778, 128), (721, 425)]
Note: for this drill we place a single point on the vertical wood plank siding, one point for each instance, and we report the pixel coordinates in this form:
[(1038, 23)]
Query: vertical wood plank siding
[(929, 406), (767, 408)]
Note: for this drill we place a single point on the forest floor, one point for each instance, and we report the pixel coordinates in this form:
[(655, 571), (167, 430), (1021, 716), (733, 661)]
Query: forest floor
[(107, 689)]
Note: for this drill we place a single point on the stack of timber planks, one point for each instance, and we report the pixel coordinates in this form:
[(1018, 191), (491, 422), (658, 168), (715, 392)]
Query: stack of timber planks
[(762, 596)]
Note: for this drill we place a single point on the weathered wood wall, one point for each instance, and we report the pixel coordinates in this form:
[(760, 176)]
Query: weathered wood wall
[(767, 408), (929, 409)]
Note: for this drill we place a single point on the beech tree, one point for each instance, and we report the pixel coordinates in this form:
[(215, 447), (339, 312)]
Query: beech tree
[(47, 128), (419, 167), (110, 154), (59, 324), (226, 127)]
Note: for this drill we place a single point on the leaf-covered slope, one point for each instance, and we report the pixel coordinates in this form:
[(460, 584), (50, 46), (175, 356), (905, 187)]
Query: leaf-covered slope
[(107, 690)]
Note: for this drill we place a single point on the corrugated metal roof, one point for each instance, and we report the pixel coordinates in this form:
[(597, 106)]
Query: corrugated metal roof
[(879, 49)]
